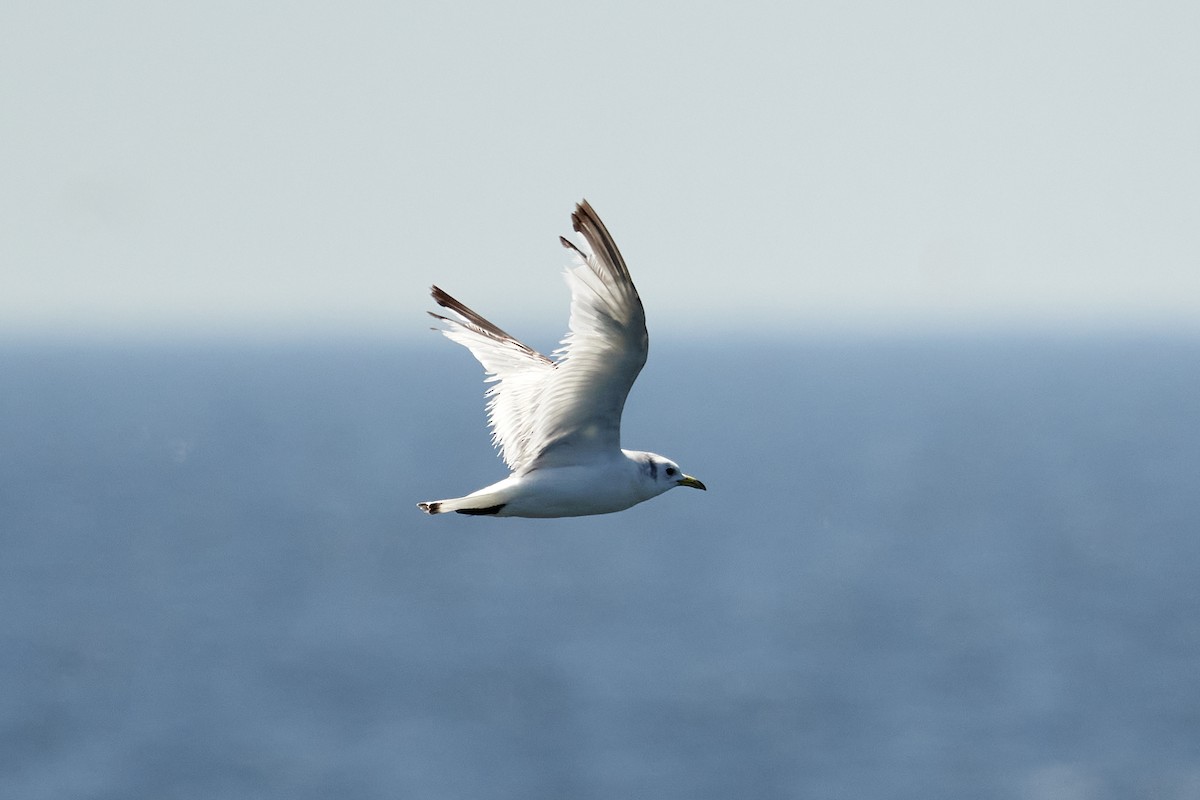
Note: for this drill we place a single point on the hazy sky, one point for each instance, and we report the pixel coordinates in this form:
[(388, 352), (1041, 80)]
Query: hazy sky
[(286, 166)]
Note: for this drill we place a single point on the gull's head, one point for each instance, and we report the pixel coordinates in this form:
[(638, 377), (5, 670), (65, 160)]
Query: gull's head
[(662, 473)]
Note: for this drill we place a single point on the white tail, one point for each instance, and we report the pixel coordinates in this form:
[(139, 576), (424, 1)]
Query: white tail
[(475, 505)]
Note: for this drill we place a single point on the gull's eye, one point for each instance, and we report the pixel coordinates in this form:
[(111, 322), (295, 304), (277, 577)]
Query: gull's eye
[(670, 472)]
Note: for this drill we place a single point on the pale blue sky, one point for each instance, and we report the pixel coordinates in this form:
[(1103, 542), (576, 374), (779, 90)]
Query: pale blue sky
[(315, 166)]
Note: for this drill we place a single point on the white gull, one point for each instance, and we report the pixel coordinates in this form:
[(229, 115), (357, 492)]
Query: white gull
[(557, 421)]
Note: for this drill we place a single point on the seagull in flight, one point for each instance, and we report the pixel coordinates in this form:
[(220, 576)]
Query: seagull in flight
[(557, 421)]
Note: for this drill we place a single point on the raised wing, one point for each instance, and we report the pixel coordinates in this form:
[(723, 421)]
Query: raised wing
[(519, 374), (600, 358), (547, 413)]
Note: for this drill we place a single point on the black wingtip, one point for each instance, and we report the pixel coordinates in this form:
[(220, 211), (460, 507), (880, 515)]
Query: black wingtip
[(585, 220), (583, 209), (431, 508), (567, 243), (442, 298), (474, 319)]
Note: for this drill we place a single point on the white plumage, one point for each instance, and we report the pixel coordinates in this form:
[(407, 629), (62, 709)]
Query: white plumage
[(557, 421)]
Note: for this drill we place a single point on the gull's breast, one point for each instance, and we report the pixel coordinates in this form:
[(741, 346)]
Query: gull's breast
[(573, 491)]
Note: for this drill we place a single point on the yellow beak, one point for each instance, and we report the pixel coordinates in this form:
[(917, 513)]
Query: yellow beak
[(688, 480)]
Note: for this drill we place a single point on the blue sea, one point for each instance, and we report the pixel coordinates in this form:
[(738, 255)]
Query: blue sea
[(926, 567)]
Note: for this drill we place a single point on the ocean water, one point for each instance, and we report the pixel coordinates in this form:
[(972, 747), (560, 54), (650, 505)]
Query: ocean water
[(924, 568)]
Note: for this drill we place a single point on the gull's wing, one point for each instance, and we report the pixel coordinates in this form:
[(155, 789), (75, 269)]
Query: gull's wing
[(518, 371), (579, 414), (543, 412)]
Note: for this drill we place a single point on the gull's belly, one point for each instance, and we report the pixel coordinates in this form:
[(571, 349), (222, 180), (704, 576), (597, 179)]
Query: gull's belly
[(573, 491)]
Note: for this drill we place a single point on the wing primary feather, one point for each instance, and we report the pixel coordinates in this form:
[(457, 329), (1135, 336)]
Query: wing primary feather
[(567, 243), (478, 323), (586, 221)]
